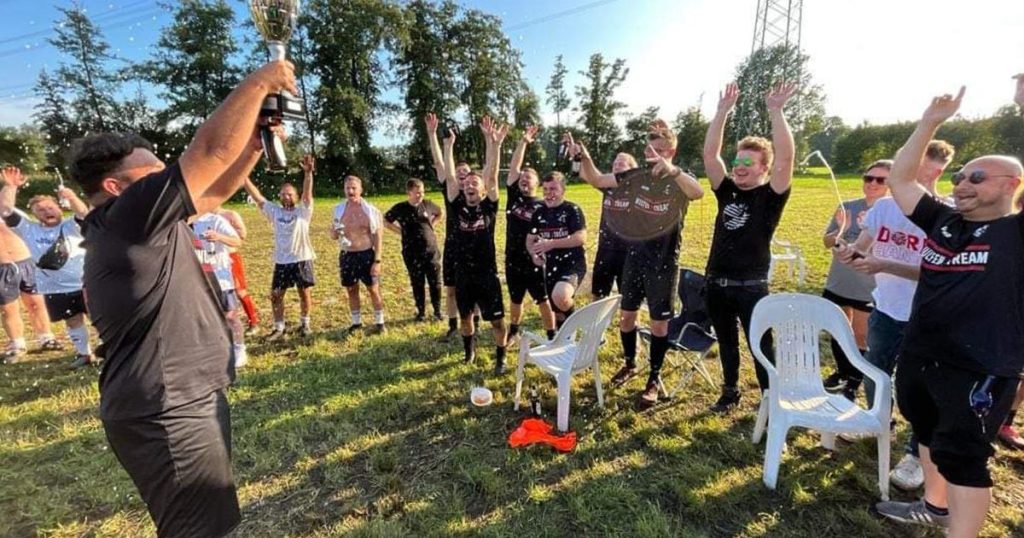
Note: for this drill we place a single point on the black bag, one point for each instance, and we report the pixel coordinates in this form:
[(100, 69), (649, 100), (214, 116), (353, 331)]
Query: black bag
[(57, 255)]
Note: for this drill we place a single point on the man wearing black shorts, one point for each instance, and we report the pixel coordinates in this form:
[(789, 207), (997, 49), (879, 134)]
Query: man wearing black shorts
[(555, 242), (293, 250), (476, 268), (750, 204), (652, 226), (963, 349), (165, 339), (414, 219), (611, 251), (521, 274), (357, 226)]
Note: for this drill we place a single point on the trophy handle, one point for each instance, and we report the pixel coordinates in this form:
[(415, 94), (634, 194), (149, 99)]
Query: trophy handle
[(277, 50), (273, 150)]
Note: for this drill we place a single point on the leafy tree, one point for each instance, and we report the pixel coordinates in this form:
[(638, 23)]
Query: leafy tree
[(92, 85), (53, 118), (691, 127), (23, 147), (637, 128), (824, 136), (192, 63), (597, 105), (558, 98)]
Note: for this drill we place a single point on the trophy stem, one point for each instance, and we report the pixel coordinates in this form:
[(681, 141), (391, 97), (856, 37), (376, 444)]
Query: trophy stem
[(277, 50)]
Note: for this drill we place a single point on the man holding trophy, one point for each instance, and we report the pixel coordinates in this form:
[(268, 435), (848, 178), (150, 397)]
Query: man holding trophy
[(165, 340)]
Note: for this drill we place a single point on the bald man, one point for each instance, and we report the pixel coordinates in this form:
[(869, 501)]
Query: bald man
[(359, 229), (963, 349)]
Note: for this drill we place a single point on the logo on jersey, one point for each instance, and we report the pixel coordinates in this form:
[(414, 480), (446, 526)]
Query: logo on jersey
[(654, 206), (469, 222), (736, 216), (972, 258)]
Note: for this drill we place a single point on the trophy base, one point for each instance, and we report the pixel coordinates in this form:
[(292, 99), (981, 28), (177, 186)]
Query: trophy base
[(283, 107)]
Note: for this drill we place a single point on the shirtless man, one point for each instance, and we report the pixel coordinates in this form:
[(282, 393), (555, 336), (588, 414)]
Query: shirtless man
[(358, 228), (18, 278)]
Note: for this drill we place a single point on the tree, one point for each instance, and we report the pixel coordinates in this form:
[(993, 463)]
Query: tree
[(637, 128), (757, 74), (51, 114), (23, 147), (691, 127), (557, 96), (823, 138), (192, 62), (597, 105), (91, 84)]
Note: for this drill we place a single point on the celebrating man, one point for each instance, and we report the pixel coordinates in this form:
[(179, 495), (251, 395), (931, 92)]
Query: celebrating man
[(56, 247), (476, 269), (165, 340), (750, 204), (293, 251), (414, 219), (555, 242), (652, 203), (521, 273), (357, 226), (963, 350)]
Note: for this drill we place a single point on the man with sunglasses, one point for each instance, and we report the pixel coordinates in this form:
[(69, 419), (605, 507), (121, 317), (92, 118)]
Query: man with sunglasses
[(649, 221), (521, 274), (166, 342), (963, 349), (750, 204), (889, 248)]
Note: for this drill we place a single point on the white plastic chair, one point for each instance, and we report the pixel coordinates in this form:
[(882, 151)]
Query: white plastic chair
[(573, 350), (797, 397), (785, 252)]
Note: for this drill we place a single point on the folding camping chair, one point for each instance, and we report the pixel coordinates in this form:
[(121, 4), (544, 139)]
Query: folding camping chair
[(690, 334)]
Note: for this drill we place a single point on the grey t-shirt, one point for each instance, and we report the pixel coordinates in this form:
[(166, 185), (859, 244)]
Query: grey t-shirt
[(165, 339), (842, 280)]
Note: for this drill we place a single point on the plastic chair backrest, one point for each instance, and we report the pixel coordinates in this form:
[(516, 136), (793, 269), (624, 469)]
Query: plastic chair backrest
[(796, 321), (591, 321)]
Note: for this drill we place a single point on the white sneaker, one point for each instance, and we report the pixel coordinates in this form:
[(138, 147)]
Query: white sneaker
[(908, 474), (241, 359)]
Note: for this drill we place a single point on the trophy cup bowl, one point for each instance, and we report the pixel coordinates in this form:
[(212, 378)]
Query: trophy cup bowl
[(275, 20)]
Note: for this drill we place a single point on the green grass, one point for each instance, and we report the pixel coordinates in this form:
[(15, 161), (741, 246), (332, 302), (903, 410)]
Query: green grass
[(375, 436)]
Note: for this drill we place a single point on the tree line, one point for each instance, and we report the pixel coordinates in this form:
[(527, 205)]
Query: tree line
[(352, 55)]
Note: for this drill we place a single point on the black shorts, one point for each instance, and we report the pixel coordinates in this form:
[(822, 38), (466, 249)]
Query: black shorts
[(521, 279), (569, 275), (863, 306), (608, 267), (298, 274), (655, 283), (479, 289), (355, 267), (180, 461), (17, 278), (448, 265), (62, 306), (935, 399)]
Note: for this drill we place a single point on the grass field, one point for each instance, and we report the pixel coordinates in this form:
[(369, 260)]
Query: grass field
[(375, 436)]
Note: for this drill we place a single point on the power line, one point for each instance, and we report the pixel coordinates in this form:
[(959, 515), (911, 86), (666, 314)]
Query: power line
[(558, 15), (118, 24), (103, 17)]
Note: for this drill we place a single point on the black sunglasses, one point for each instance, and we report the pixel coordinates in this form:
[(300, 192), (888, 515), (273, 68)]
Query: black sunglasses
[(877, 179), (975, 177)]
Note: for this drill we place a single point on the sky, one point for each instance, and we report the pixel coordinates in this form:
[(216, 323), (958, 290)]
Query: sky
[(877, 60)]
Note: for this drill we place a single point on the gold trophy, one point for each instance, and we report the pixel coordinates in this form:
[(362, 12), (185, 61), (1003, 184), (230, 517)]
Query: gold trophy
[(275, 20)]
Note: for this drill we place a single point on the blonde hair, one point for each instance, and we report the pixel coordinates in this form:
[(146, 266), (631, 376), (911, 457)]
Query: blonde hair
[(940, 151), (41, 198), (659, 130), (759, 144)]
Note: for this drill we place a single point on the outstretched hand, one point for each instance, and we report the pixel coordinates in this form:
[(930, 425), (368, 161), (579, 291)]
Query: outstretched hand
[(12, 176), (431, 120), (308, 163), (498, 133), (943, 107), (779, 95), (530, 134), (727, 98), (661, 165)]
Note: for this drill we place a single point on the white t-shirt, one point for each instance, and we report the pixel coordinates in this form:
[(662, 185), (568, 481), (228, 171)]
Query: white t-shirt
[(899, 240), (291, 232), (372, 213), (39, 239), (215, 253)]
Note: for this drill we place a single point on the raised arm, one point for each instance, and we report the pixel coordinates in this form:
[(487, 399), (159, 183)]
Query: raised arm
[(493, 162), (713, 163), (782, 136), (13, 179), (516, 164), (588, 170), (663, 167), (225, 136), (451, 187), (435, 147), (232, 179), (1019, 96), (308, 168), (78, 207), (254, 192), (903, 178)]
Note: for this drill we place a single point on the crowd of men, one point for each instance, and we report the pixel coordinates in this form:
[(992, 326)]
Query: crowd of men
[(933, 287)]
